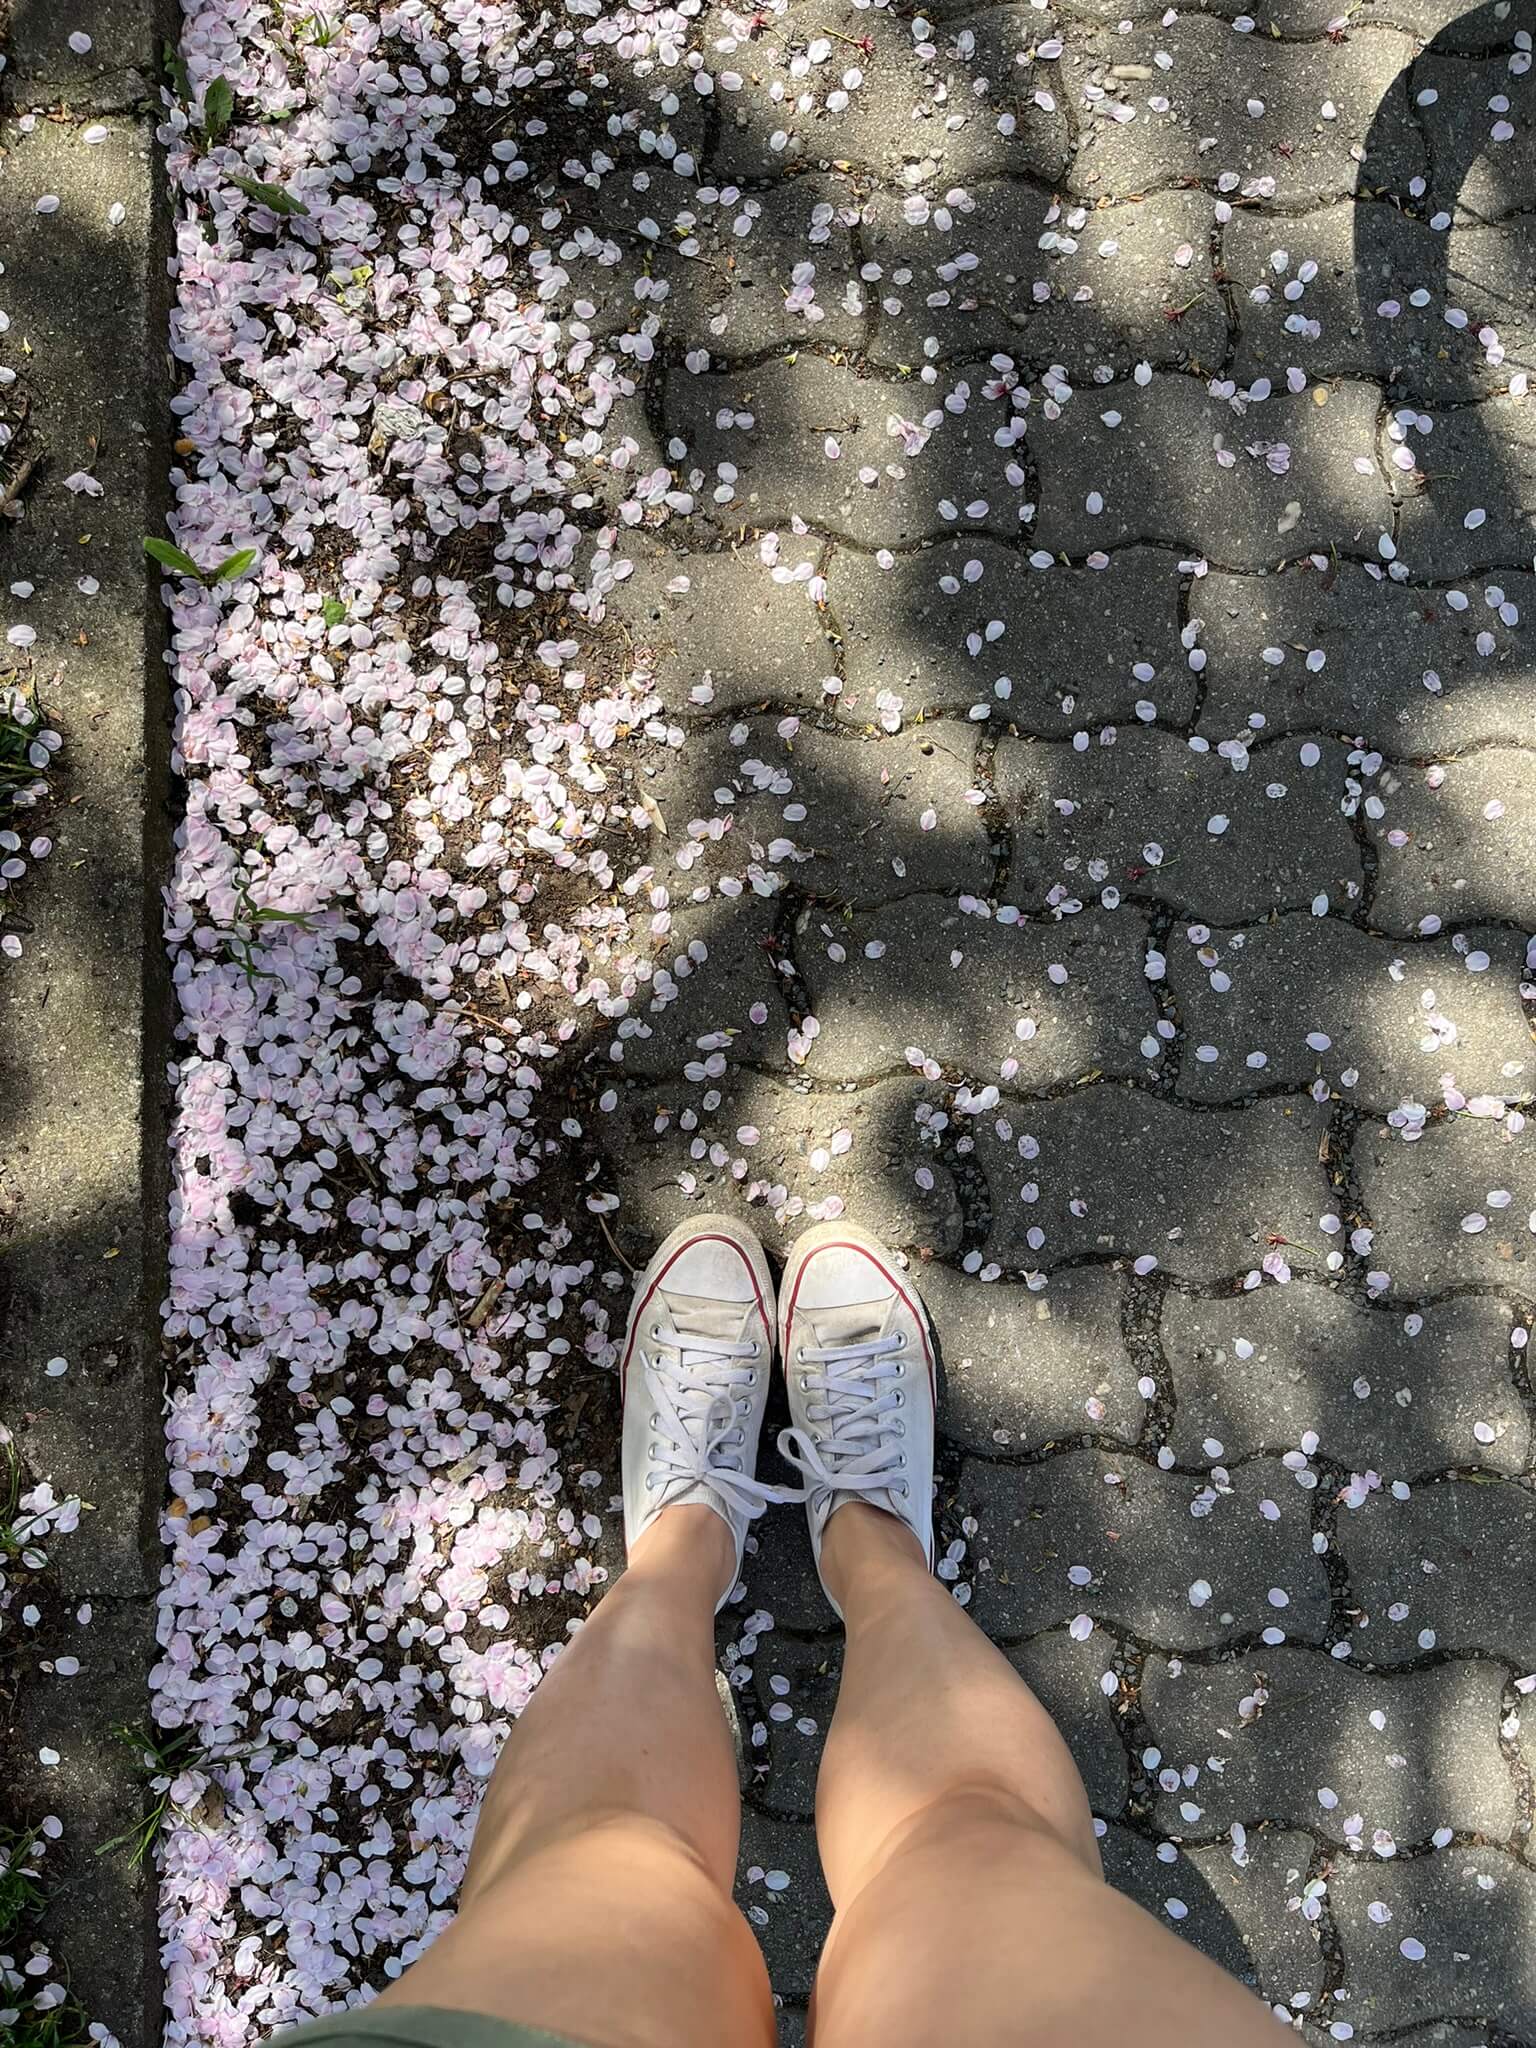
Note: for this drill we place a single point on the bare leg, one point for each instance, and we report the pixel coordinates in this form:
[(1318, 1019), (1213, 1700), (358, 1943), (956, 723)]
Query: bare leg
[(959, 1849), (597, 1902)]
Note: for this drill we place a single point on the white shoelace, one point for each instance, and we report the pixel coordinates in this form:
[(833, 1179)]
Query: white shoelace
[(857, 1391), (696, 1390)]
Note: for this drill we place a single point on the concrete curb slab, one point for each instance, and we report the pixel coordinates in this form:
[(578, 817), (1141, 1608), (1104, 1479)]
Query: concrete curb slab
[(82, 1132)]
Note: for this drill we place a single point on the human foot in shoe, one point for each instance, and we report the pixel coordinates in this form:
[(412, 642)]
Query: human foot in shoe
[(858, 1359), (694, 1378)]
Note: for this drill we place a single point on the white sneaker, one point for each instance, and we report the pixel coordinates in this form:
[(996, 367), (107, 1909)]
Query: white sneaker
[(694, 1376), (858, 1357)]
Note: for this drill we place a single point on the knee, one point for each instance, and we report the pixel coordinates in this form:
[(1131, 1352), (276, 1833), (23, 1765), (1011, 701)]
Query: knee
[(939, 1900), (642, 1841), (612, 1931), (633, 1849), (984, 1821)]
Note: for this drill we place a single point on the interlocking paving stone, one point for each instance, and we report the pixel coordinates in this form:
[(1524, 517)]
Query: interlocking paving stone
[(1468, 505), (1155, 466), (863, 797), (1424, 1198), (1399, 1016), (1023, 1369), (1260, 1370), (962, 987), (895, 122), (1258, 1894), (1064, 1676), (1470, 170), (762, 435), (1378, 640), (711, 972), (1308, 1751), (1071, 639), (781, 1573), (1455, 1555), (1143, 1547), (729, 633), (1034, 1370), (1444, 2033), (1452, 26), (1469, 1910), (973, 277), (1469, 846), (1146, 817), (1120, 1174), (1286, 17), (1133, 1866), (789, 1755), (1367, 257), (1208, 86), (699, 1161), (791, 1923), (729, 280)]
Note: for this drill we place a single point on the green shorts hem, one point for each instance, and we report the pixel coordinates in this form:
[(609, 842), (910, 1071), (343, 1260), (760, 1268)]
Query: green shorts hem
[(416, 2026)]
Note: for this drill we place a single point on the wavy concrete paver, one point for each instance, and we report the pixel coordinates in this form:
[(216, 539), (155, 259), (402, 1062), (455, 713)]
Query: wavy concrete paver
[(1097, 772)]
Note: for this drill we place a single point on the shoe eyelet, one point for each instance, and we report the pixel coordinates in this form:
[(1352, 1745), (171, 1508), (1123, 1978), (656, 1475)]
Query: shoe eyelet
[(901, 1399), (805, 1383), (650, 1482), (655, 1422)]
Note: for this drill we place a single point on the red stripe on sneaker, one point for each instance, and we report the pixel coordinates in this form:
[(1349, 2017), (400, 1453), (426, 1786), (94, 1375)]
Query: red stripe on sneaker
[(843, 1245), (638, 1311)]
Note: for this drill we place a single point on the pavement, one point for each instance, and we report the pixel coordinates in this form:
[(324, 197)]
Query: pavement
[(1138, 820), (1127, 806), (83, 1008)]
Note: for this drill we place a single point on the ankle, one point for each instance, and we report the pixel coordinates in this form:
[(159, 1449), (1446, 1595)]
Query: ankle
[(865, 1551), (685, 1545)]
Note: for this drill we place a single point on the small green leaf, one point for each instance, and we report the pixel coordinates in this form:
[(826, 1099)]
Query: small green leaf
[(334, 612), (176, 71), (272, 196), (233, 566), (169, 556), (264, 914), (218, 108)]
